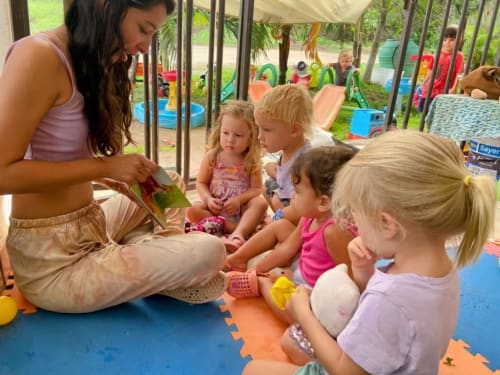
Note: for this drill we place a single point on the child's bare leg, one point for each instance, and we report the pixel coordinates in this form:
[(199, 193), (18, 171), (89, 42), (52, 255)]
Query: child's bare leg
[(258, 367), (293, 352), (263, 240), (197, 211), (265, 285), (251, 217)]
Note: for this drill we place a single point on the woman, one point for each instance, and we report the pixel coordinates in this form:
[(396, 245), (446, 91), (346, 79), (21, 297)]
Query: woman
[(64, 113)]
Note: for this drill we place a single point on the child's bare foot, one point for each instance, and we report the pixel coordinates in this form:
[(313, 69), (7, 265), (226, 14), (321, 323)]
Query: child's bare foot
[(232, 263)]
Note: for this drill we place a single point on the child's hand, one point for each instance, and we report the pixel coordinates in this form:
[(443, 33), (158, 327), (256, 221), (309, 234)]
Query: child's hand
[(299, 303), (232, 206), (271, 169), (215, 205), (360, 255)]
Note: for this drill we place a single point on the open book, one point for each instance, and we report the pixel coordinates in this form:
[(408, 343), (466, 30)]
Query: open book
[(157, 193)]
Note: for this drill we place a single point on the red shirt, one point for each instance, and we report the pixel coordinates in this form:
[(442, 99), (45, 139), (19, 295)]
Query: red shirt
[(442, 72)]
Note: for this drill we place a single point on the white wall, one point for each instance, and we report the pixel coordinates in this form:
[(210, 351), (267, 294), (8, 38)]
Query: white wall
[(6, 35)]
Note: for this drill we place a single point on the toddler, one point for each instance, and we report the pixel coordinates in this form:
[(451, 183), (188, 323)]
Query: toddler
[(343, 66), (284, 116), (229, 182), (318, 242), (408, 193)]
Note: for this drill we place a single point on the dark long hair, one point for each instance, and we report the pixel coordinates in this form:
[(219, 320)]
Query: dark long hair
[(94, 38)]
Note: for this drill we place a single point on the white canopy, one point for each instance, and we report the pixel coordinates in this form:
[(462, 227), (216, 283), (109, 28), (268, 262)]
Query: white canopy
[(298, 11)]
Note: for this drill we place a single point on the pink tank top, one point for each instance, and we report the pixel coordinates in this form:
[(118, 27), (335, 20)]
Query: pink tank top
[(62, 134), (314, 257)]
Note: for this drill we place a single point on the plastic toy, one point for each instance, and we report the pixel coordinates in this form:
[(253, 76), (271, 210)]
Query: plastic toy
[(334, 298), (8, 310), (366, 123), (281, 291), (300, 74)]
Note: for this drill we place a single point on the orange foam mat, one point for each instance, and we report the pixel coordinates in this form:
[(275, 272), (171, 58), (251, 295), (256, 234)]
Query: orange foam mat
[(261, 333), (260, 330)]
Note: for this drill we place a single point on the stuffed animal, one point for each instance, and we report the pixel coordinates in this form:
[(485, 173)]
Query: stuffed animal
[(334, 298)]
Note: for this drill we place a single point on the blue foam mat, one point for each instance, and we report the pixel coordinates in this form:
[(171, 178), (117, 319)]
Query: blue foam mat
[(155, 335), (479, 314)]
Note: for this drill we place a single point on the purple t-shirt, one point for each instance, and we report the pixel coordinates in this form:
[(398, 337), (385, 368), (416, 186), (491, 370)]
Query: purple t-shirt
[(403, 323), (285, 186)]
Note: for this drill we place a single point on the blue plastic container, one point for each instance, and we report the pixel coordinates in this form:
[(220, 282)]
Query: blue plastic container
[(366, 123), (404, 86), (168, 119)]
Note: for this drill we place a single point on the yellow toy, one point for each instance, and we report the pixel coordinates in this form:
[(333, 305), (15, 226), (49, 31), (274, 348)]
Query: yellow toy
[(8, 310), (334, 298), (281, 291)]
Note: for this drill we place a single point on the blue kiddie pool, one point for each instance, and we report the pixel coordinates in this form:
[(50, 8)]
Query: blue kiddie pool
[(168, 118)]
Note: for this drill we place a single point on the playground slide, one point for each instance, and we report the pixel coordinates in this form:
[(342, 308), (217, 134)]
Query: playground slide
[(256, 89), (327, 104), (226, 91)]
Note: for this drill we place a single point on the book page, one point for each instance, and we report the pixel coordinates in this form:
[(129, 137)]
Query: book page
[(158, 193)]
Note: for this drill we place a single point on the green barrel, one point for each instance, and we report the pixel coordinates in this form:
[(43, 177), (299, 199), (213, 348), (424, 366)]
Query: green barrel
[(388, 54)]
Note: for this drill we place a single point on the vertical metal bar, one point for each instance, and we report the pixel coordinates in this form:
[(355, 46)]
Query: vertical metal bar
[(154, 90), (178, 127), (244, 47), (454, 54), (490, 32), (20, 18), (147, 107), (474, 36), (209, 79), (219, 58), (435, 65), (180, 75), (403, 43), (421, 47)]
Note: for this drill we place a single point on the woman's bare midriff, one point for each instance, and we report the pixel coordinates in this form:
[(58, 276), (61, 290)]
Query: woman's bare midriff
[(53, 203)]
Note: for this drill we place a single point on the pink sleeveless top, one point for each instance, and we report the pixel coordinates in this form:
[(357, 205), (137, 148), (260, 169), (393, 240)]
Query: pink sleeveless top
[(62, 134), (314, 256)]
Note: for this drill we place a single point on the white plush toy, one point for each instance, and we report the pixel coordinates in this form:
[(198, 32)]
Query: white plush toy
[(334, 299)]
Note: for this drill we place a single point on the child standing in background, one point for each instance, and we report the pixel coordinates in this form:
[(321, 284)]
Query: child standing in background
[(284, 116), (318, 242), (444, 65), (405, 217), (230, 178), (342, 67)]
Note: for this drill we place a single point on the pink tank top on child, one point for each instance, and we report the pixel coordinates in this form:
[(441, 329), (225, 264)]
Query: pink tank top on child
[(228, 180), (62, 134), (314, 257)]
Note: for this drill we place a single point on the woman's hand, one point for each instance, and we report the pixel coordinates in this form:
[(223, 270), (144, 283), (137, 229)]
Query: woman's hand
[(232, 205), (129, 168)]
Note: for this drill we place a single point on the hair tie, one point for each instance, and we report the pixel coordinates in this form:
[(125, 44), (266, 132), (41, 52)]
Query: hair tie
[(467, 180)]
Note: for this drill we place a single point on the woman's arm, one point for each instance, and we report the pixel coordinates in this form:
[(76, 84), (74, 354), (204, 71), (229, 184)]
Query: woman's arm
[(33, 81)]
